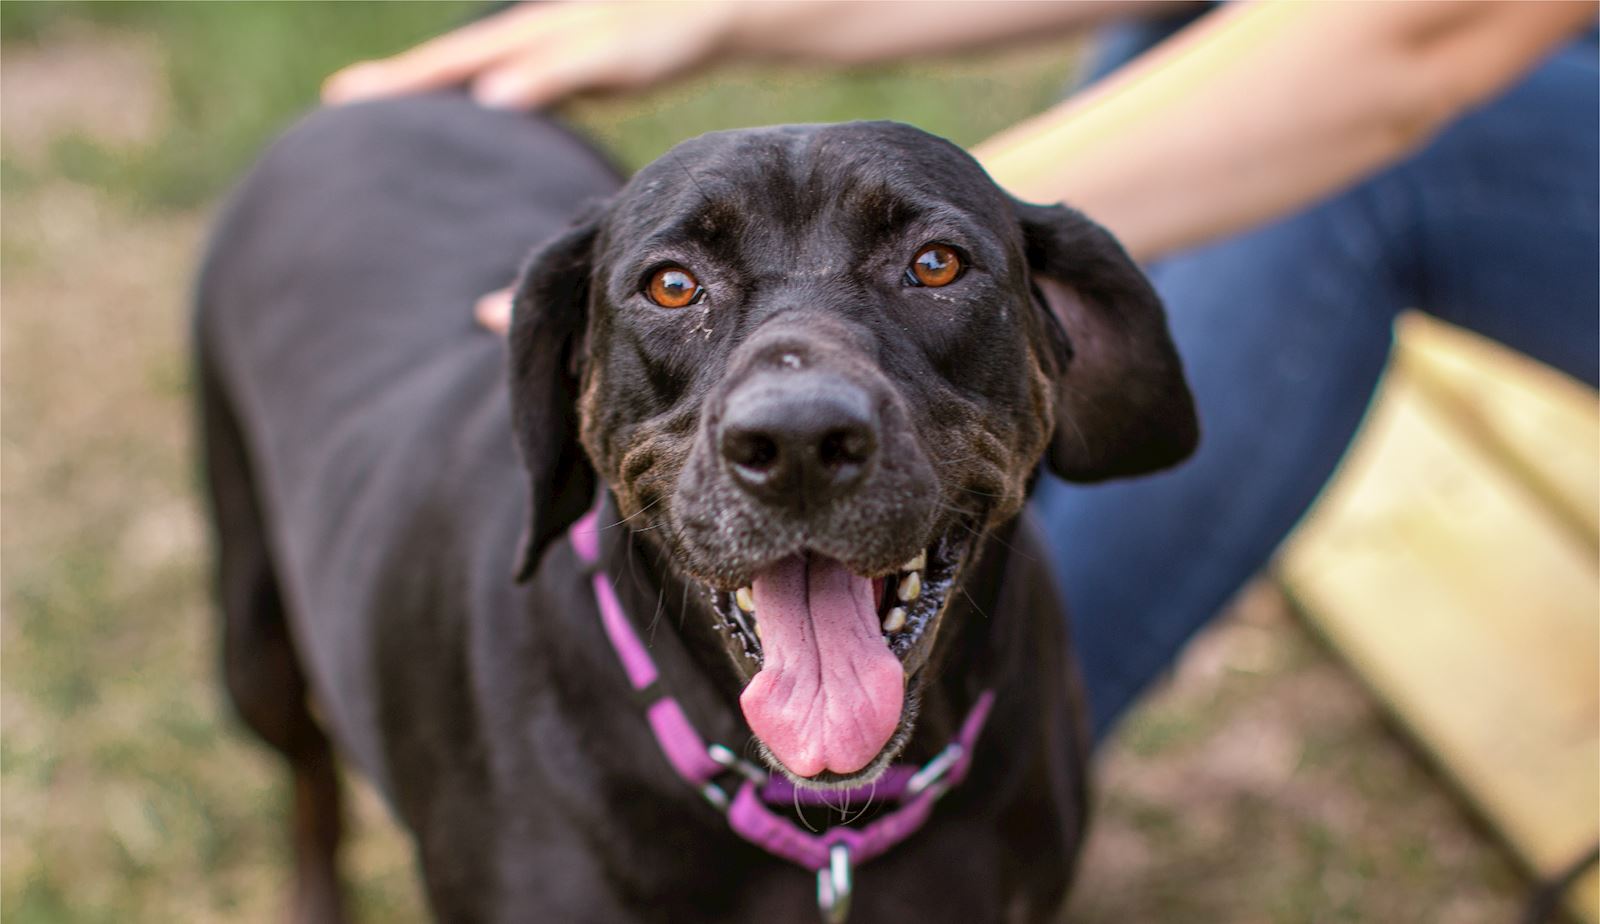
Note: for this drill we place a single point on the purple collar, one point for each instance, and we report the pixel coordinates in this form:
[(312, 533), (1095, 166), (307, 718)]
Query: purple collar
[(833, 853)]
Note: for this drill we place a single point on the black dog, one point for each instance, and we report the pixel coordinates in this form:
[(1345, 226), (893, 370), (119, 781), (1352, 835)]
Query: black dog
[(814, 368)]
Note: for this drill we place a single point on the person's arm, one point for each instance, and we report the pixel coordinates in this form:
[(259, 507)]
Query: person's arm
[(1260, 109), (533, 55)]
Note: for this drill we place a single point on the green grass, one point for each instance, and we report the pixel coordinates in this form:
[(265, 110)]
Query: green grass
[(235, 73)]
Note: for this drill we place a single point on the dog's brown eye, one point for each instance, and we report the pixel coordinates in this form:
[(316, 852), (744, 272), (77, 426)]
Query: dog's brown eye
[(935, 265), (673, 287)]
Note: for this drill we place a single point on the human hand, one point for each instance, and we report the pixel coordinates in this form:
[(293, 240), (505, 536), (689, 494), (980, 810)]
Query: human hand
[(533, 55), (493, 311)]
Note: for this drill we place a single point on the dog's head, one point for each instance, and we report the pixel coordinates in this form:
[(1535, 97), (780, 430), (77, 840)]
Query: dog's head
[(815, 364)]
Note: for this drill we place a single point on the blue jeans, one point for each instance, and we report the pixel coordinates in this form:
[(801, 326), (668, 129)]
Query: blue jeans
[(1284, 331)]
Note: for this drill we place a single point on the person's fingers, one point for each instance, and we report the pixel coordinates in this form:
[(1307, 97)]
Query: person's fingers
[(493, 311), (529, 82), (604, 50), (532, 56), (450, 58)]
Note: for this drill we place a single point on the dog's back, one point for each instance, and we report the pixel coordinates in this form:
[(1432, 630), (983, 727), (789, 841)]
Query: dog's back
[(337, 330)]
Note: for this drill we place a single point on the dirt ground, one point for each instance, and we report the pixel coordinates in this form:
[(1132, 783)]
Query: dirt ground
[(1260, 784)]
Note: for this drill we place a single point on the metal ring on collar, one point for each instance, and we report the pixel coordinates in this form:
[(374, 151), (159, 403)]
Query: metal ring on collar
[(835, 885)]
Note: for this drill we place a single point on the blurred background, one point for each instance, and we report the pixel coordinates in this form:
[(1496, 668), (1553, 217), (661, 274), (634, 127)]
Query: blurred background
[(1286, 772)]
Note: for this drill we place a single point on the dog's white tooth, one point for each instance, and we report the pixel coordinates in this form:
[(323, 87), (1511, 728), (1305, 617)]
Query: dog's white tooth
[(911, 586), (895, 620), (745, 600), (918, 563)]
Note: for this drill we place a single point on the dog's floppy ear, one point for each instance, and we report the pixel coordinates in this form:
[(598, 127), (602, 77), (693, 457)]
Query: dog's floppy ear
[(1122, 404), (548, 320)]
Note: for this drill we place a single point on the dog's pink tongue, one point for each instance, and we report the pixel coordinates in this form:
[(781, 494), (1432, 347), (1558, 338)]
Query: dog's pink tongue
[(829, 692)]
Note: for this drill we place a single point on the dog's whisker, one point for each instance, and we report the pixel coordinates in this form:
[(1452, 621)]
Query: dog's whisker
[(800, 811), (1083, 439), (974, 603), (964, 512), (636, 513), (695, 182), (861, 812), (655, 618), (872, 796), (632, 559)]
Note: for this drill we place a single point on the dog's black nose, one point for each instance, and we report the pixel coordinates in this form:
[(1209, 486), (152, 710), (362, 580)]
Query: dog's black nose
[(798, 440)]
